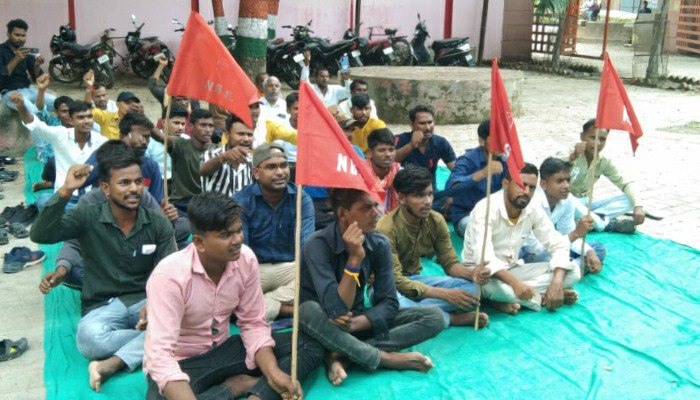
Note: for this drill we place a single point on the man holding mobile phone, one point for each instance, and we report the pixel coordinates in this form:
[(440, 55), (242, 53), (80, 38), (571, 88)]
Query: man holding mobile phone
[(19, 66)]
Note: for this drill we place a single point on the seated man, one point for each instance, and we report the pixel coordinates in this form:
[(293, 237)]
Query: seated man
[(357, 86), (229, 169), (269, 226), (176, 128), (158, 90), (329, 94), (109, 120), (259, 82), (336, 265), (192, 294), (121, 242), (364, 124), (414, 230), (271, 105), (70, 145), (100, 97), (553, 196), (467, 182), (381, 163), (605, 211), (511, 218)]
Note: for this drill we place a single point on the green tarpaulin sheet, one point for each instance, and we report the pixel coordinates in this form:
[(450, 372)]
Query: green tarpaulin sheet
[(634, 334)]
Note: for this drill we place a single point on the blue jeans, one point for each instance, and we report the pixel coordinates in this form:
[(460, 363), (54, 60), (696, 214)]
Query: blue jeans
[(29, 95), (446, 282), (43, 198), (461, 226), (538, 253), (609, 207), (109, 331)]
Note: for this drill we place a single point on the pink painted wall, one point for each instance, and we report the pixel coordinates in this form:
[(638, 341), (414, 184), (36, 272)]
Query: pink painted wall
[(44, 18)]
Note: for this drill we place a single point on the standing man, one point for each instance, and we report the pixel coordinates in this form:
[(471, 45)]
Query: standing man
[(121, 242), (511, 218), (467, 183), (329, 94), (414, 230), (227, 170), (17, 65), (336, 264), (364, 124), (193, 294), (269, 226), (381, 163), (271, 105)]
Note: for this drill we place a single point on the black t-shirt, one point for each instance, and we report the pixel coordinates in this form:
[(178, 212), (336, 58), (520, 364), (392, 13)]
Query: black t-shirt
[(18, 79)]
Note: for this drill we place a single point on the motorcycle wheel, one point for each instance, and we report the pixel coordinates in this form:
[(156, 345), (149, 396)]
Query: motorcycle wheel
[(142, 67), (65, 70), (402, 53), (104, 74)]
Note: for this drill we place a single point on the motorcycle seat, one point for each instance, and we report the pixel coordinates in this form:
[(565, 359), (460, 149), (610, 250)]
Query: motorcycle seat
[(150, 38), (276, 41), (79, 49), (331, 47), (440, 44), (390, 31)]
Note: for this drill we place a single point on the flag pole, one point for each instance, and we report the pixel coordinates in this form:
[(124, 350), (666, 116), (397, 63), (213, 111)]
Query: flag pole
[(166, 133), (297, 280), (591, 182), (483, 245)]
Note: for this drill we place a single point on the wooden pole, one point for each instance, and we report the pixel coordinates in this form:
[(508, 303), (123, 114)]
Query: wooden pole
[(591, 182), (486, 230), (297, 280), (166, 133)]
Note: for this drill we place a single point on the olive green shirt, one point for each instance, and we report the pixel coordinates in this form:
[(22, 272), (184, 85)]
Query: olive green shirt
[(115, 265), (581, 173), (409, 242), (185, 171)]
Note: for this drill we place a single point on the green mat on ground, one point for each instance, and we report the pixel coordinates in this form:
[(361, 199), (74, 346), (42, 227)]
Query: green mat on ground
[(634, 334)]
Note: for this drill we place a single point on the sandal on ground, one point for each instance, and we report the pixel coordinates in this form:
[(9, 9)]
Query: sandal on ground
[(10, 349), (18, 230), (8, 160), (3, 236)]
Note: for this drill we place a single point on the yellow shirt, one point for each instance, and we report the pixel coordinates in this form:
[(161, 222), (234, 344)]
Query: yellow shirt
[(108, 122), (275, 131), (359, 137)]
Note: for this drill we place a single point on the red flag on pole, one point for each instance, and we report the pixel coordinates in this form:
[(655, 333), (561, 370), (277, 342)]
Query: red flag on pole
[(325, 157), (614, 107), (205, 70), (503, 137)]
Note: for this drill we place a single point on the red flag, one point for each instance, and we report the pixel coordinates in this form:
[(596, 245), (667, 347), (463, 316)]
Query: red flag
[(325, 157), (205, 70), (503, 137), (614, 107)]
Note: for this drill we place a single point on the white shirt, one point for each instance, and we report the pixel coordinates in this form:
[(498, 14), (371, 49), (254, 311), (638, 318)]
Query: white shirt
[(65, 148), (279, 109), (334, 93), (562, 217), (505, 239), (112, 106), (344, 109)]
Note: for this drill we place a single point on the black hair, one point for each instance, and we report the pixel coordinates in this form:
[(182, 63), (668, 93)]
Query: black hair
[(344, 198), (588, 124), (212, 212), (551, 166), (420, 108), (198, 114), (62, 100), (176, 111), (319, 69), (356, 83), (412, 179), (99, 85), (359, 100), (529, 168), (17, 23), (114, 154), (78, 106), (292, 98), (232, 119), (380, 136), (131, 119), (484, 129)]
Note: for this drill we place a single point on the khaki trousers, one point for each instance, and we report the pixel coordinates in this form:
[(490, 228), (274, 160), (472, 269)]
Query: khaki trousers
[(277, 281)]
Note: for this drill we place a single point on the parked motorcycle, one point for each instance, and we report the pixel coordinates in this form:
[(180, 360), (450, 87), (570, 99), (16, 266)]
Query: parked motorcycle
[(327, 54), (71, 60), (392, 50), (230, 37), (285, 59), (454, 51), (143, 53)]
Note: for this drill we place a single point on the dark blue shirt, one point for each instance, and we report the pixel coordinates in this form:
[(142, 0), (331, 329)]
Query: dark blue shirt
[(438, 148), (323, 260), (468, 193), (18, 78), (270, 232), (152, 179)]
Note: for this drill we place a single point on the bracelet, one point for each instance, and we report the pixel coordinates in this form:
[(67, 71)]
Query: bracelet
[(354, 273)]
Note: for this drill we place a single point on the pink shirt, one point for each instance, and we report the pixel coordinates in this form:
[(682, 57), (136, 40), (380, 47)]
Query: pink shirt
[(184, 306)]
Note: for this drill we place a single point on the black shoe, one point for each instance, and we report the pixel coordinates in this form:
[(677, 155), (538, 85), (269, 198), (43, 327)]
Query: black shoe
[(25, 216), (9, 212), (621, 225)]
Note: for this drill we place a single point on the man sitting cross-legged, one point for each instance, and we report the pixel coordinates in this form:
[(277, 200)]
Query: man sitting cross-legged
[(121, 242), (336, 264), (414, 230), (192, 294), (511, 218)]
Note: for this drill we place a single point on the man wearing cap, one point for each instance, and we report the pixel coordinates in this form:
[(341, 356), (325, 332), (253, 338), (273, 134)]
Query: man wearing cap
[(109, 120), (269, 223)]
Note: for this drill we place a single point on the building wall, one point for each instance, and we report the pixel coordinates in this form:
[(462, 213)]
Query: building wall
[(44, 18), (517, 30)]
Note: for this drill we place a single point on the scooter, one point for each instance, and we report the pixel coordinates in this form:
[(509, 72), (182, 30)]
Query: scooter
[(72, 60), (454, 51)]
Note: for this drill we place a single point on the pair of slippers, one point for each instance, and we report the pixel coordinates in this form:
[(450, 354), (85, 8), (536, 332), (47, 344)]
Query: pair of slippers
[(16, 229), (10, 349)]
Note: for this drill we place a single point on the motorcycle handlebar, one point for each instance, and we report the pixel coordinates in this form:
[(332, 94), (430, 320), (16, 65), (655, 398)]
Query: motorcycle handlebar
[(140, 26), (179, 30), (287, 26)]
